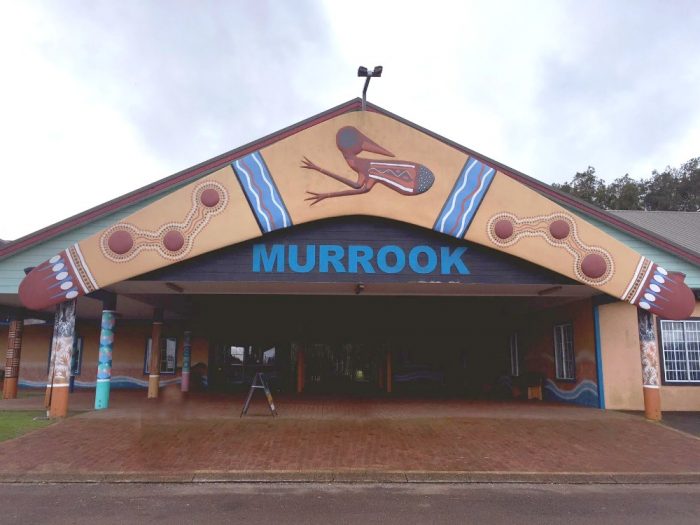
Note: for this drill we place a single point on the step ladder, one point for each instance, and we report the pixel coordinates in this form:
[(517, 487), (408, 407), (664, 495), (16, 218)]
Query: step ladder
[(259, 383)]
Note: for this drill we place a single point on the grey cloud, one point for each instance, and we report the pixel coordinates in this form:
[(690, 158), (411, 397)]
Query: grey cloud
[(194, 79), (629, 89)]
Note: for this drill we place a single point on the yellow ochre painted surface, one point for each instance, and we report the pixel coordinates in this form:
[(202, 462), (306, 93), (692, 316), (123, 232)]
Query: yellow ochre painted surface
[(622, 365), (205, 228)]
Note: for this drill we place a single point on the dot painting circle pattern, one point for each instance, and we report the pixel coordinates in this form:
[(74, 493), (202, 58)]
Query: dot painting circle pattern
[(559, 229), (594, 266), (210, 197), (120, 242), (173, 241), (503, 229)]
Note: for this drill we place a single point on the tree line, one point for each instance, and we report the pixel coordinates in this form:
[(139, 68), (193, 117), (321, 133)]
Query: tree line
[(674, 189)]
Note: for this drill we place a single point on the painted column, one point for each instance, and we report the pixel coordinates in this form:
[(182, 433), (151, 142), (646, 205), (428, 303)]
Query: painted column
[(389, 383), (186, 360), (650, 365), (14, 349), (154, 365), (61, 354), (104, 359), (300, 371)]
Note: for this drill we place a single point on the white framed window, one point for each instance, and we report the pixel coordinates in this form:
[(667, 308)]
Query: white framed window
[(564, 351), (514, 354), (168, 355), (680, 346)]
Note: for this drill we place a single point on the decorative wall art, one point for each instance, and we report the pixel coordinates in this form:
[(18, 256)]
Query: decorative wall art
[(298, 179)]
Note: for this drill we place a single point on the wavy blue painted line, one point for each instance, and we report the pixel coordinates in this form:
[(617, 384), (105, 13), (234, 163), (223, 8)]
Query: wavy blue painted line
[(464, 199), (261, 192), (570, 395)]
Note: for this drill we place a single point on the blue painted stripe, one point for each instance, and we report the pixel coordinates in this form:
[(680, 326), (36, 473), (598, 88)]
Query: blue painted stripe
[(261, 191), (598, 357), (116, 382), (465, 198)]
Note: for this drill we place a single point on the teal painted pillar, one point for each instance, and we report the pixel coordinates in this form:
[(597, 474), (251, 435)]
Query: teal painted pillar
[(186, 360), (104, 365)]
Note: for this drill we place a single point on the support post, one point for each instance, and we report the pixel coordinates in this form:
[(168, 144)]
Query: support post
[(389, 384), (104, 358), (61, 353), (650, 365), (154, 364), (300, 371), (186, 360), (14, 350)]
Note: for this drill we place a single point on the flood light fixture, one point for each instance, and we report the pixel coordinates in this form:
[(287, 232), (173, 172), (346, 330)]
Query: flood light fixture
[(362, 71)]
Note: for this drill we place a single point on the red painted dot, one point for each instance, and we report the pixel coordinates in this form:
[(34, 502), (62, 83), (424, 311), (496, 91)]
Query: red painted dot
[(209, 198), (503, 229), (173, 241), (120, 242), (594, 266), (559, 229)]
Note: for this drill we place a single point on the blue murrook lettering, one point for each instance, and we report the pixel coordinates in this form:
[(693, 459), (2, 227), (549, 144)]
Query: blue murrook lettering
[(448, 260), (331, 254), (414, 261), (294, 258), (399, 259), (275, 259), (360, 255), (357, 258)]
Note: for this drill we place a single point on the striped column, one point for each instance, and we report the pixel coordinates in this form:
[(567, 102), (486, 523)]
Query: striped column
[(154, 364), (186, 360), (14, 349), (650, 365), (104, 359), (61, 354)]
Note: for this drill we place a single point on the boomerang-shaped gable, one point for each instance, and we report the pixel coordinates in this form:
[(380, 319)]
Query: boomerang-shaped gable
[(358, 163)]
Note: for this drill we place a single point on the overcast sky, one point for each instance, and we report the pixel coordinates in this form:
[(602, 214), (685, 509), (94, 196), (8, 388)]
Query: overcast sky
[(98, 98)]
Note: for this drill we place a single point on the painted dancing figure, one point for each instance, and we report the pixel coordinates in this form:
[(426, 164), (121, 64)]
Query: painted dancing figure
[(405, 177)]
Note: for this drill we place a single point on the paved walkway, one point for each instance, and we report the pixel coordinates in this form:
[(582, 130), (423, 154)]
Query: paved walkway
[(202, 437)]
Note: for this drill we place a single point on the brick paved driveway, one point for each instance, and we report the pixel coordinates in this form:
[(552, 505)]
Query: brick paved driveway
[(203, 433)]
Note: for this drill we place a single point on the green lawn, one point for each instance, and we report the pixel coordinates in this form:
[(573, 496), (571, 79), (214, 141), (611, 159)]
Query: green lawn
[(14, 423)]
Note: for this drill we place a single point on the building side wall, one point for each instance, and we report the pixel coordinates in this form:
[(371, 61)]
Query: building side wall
[(622, 366)]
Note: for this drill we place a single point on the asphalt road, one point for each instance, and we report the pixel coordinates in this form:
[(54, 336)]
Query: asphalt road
[(348, 503)]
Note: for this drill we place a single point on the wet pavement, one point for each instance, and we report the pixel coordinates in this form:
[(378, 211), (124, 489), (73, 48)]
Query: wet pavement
[(200, 436)]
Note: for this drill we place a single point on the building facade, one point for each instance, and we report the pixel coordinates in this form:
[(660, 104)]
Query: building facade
[(320, 257)]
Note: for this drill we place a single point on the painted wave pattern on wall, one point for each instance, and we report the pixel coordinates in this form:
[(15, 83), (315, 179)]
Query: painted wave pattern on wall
[(585, 393), (262, 193), (465, 198), (116, 382)]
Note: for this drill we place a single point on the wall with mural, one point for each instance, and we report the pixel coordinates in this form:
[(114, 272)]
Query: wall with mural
[(358, 163), (538, 345), (128, 354)]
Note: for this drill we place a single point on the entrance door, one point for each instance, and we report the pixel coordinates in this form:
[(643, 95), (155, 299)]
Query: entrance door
[(342, 368)]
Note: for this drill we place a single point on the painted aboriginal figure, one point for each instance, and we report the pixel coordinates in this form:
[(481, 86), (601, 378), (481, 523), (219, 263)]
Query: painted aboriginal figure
[(404, 177)]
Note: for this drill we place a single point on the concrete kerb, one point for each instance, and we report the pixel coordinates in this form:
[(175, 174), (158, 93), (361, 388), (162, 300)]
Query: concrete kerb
[(359, 477)]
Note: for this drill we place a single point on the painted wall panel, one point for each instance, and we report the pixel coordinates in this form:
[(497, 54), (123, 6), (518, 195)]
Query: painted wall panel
[(622, 367), (537, 332)]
